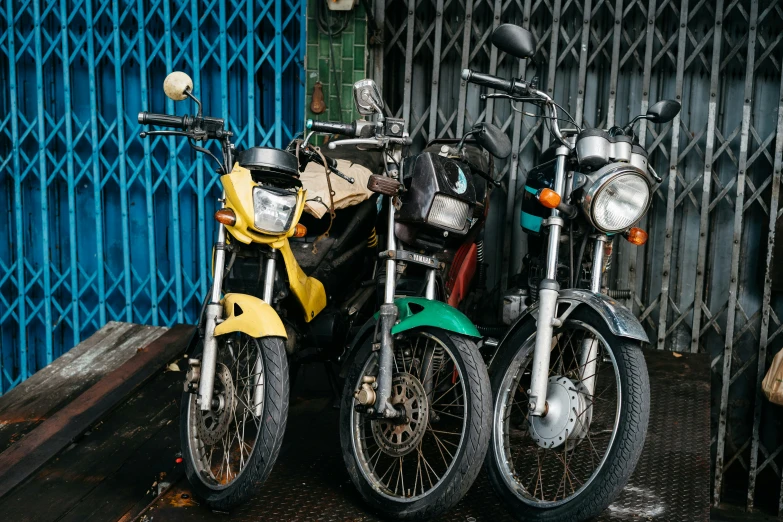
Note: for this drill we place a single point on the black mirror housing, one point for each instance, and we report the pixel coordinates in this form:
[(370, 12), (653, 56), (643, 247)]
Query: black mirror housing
[(663, 111), (514, 40), (493, 140)]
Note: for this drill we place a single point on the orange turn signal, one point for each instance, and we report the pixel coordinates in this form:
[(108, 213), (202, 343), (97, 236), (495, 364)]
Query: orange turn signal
[(226, 216), (549, 198), (301, 230), (636, 236)]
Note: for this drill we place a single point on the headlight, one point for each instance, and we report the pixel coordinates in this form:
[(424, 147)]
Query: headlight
[(448, 213), (617, 199), (273, 210)]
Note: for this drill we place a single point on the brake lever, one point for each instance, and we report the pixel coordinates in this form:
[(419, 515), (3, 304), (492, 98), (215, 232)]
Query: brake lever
[(145, 134)]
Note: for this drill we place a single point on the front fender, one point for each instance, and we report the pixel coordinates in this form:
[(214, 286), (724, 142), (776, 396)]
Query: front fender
[(618, 318), (415, 312), (250, 315)]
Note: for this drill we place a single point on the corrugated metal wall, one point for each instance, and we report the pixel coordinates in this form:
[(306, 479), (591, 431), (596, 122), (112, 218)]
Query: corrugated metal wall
[(98, 224), (699, 283)]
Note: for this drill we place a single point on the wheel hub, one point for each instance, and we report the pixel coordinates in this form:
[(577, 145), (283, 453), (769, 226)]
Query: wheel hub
[(567, 418), (213, 424), (408, 396)]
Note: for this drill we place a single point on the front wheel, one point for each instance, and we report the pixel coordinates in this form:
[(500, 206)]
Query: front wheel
[(230, 450), (422, 467), (571, 463)]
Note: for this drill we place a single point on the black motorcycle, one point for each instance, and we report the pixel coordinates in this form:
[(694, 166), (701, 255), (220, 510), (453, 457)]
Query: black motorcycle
[(569, 381)]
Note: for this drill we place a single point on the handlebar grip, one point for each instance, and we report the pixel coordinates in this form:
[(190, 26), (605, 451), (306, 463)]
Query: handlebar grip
[(487, 80), (161, 120), (514, 87), (332, 127)]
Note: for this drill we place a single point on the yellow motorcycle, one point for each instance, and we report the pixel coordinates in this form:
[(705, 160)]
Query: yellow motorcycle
[(258, 313)]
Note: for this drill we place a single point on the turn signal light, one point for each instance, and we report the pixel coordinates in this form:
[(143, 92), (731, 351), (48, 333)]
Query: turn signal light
[(636, 236), (301, 230), (226, 216), (549, 198)]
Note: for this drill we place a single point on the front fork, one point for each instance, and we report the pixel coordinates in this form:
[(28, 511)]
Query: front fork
[(548, 293), (214, 315), (387, 319)]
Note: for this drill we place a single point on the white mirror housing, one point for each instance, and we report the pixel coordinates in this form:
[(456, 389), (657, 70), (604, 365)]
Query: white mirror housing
[(176, 85)]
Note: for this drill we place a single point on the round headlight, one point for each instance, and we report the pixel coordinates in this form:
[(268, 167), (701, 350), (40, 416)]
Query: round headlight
[(617, 199)]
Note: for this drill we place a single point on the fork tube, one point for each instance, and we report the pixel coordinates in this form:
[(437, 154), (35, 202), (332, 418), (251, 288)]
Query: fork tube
[(548, 293), (429, 293), (387, 317), (213, 312), (597, 274), (269, 276), (589, 351), (391, 264)]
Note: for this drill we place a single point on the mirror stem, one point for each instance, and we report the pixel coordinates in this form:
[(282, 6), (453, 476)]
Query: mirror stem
[(464, 137), (189, 94)]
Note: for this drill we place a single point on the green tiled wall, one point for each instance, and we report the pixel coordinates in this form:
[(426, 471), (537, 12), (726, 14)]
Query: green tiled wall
[(349, 53)]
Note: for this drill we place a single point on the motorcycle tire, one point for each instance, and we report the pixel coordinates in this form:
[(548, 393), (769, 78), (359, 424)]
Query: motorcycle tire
[(209, 477), (513, 440), (462, 379)]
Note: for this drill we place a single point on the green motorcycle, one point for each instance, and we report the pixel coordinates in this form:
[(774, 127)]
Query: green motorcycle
[(416, 408)]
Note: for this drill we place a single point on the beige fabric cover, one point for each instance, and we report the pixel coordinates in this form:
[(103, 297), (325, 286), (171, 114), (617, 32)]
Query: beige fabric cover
[(773, 381), (346, 194)]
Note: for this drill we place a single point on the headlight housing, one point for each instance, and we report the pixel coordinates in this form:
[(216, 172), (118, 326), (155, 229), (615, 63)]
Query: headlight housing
[(617, 198), (448, 212), (273, 209)]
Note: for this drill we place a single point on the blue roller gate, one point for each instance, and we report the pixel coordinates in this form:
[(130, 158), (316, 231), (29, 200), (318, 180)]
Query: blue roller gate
[(98, 224)]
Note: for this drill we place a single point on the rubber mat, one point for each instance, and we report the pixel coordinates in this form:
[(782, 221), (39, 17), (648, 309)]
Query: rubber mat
[(309, 482)]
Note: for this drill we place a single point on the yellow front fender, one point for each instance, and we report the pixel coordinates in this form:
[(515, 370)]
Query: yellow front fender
[(250, 315)]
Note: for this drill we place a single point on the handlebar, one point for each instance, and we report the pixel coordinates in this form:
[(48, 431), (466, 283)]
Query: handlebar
[(162, 120), (332, 127)]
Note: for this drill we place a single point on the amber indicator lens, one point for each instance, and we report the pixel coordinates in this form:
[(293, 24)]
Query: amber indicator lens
[(637, 236), (549, 198), (301, 230), (226, 216)]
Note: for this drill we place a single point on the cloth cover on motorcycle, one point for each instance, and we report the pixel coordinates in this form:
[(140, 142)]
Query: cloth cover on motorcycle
[(773, 381), (346, 194)]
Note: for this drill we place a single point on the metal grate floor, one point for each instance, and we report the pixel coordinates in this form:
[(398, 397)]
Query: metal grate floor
[(309, 482)]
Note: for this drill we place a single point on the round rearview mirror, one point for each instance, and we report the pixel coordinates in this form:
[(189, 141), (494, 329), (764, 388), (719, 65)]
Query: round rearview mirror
[(177, 85), (514, 40), (663, 111), (493, 140)]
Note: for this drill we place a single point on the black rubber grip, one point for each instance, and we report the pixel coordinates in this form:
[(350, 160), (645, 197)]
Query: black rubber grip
[(333, 127), (488, 80), (162, 120)]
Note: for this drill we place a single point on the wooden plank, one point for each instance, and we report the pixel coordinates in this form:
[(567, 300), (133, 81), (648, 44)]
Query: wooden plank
[(114, 453), (26, 456), (48, 390)]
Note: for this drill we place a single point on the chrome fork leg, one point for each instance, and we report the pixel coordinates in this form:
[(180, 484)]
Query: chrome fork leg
[(589, 351), (214, 312), (548, 293), (387, 318), (258, 370), (430, 291)]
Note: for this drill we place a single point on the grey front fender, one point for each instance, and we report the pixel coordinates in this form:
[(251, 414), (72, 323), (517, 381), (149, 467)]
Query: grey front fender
[(618, 318)]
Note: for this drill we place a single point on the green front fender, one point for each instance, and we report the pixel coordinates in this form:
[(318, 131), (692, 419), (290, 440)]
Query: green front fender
[(415, 312)]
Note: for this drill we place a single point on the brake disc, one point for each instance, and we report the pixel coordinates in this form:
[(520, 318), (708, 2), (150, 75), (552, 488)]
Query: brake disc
[(213, 424), (398, 439)]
